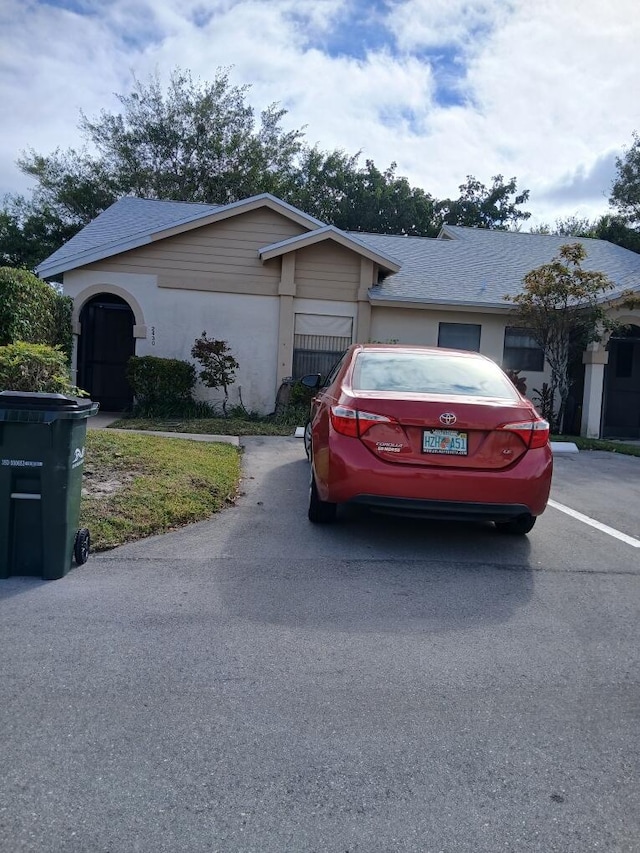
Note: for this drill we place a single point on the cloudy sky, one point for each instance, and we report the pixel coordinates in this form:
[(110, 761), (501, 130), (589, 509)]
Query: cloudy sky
[(543, 90)]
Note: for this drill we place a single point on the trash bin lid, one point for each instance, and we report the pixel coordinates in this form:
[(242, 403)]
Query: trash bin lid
[(38, 407), (36, 400)]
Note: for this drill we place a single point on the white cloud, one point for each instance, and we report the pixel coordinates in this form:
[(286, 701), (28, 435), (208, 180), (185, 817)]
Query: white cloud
[(546, 89)]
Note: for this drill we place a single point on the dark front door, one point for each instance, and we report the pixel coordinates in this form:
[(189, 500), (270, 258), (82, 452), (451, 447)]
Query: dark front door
[(106, 343), (622, 386)]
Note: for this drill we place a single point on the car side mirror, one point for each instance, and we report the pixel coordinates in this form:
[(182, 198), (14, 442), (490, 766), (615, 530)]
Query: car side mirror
[(312, 380)]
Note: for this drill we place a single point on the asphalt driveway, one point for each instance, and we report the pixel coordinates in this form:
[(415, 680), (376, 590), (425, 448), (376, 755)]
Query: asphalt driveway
[(254, 683)]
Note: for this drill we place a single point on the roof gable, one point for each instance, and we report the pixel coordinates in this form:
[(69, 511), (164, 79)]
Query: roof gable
[(133, 222), (329, 232)]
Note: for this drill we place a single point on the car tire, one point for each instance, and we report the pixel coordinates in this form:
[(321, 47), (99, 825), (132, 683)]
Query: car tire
[(519, 526), (320, 512), (307, 440)]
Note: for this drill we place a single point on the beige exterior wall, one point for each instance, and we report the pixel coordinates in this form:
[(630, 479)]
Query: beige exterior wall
[(222, 257), (173, 319), (212, 279), (327, 271)]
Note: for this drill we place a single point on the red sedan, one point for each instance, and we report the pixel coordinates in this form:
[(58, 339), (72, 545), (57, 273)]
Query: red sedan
[(426, 431)]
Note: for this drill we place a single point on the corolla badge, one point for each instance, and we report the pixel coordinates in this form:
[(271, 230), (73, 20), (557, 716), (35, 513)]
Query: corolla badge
[(447, 418)]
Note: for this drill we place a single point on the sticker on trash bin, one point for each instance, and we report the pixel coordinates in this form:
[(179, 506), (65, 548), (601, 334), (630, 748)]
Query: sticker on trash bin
[(22, 463), (78, 457)]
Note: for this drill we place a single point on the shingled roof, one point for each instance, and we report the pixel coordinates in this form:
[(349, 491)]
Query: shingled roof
[(478, 267), (132, 222), (472, 267), (125, 225)]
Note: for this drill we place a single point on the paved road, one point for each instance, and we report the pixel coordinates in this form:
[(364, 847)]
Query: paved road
[(253, 683)]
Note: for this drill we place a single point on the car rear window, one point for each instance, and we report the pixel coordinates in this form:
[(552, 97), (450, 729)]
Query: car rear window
[(430, 373)]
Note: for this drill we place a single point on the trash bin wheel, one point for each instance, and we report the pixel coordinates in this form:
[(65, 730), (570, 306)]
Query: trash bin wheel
[(81, 546)]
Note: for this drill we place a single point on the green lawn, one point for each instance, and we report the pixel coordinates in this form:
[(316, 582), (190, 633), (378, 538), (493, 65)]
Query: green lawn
[(139, 485), (208, 426), (600, 444)]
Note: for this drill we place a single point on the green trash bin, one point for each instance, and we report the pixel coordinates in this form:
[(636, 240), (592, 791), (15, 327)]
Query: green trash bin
[(42, 447)]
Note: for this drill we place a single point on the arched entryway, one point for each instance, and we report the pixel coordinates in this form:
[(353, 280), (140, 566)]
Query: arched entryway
[(622, 386), (105, 345)]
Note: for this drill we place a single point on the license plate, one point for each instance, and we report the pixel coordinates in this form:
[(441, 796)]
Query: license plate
[(447, 441)]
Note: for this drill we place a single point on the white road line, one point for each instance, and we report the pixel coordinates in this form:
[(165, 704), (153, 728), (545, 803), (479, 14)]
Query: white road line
[(635, 543)]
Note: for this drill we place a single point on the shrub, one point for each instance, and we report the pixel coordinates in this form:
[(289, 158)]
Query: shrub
[(31, 310), (35, 367), (161, 386), (218, 365), (544, 400), (519, 381)]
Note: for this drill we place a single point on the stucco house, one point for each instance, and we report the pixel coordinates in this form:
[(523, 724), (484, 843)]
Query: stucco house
[(289, 293)]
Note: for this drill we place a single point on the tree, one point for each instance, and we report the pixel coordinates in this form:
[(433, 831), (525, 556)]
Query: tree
[(201, 141), (615, 230), (611, 228), (196, 142), (562, 306), (625, 192), (479, 206), (334, 188), (32, 311), (218, 365)]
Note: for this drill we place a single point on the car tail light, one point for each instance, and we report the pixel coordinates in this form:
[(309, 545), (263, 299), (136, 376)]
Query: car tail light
[(533, 433), (353, 422)]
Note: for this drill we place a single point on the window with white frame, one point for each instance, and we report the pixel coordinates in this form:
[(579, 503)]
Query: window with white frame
[(318, 342), (459, 336), (521, 351)]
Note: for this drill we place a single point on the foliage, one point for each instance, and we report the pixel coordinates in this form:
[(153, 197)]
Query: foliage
[(163, 483), (614, 229), (519, 381), (570, 226), (625, 192), (31, 310), (333, 188), (544, 400), (195, 142), (35, 367), (161, 386), (561, 305), (218, 365), (236, 423), (479, 206), (612, 446), (201, 141)]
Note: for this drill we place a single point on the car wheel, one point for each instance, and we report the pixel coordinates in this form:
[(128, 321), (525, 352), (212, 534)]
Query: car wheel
[(307, 439), (320, 512), (519, 526)]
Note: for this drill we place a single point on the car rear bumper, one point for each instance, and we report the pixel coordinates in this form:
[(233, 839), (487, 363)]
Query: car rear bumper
[(443, 510), (352, 474)]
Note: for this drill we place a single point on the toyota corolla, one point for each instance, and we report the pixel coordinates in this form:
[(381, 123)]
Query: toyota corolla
[(426, 431)]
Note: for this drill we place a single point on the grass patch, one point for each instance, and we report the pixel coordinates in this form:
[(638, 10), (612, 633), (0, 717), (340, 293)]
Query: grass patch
[(140, 485), (600, 444), (209, 426)]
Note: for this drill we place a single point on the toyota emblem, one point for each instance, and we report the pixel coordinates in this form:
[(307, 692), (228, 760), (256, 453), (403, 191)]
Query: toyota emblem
[(447, 418)]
